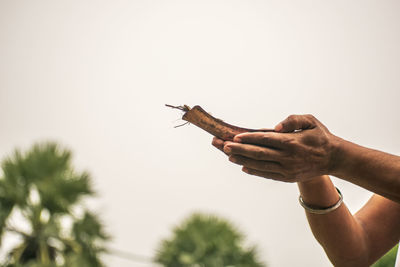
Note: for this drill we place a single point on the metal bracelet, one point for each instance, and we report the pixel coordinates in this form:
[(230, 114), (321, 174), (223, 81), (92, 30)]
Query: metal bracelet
[(322, 210)]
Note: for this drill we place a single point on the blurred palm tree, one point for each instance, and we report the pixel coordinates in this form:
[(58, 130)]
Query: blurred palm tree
[(42, 187), (206, 241)]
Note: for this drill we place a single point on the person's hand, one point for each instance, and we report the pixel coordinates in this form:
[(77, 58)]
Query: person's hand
[(300, 149)]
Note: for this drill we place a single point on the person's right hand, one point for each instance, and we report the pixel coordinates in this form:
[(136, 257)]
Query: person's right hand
[(300, 149)]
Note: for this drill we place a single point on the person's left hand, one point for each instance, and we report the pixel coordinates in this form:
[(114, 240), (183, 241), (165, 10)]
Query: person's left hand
[(300, 149)]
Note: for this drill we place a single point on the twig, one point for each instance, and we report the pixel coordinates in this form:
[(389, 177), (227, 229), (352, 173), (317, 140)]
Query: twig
[(183, 108)]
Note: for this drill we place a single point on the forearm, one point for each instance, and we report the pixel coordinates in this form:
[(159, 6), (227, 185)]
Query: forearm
[(374, 170), (338, 232)]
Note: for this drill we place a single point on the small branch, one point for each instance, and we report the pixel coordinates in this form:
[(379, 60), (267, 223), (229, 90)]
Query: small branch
[(183, 108), (180, 125)]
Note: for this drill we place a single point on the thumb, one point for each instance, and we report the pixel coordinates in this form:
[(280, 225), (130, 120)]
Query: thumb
[(296, 122)]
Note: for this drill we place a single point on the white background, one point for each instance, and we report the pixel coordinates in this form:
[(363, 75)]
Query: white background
[(94, 75)]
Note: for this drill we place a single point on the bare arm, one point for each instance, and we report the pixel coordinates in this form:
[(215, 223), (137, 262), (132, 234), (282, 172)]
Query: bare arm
[(304, 151), (338, 232), (374, 170), (303, 148), (349, 240)]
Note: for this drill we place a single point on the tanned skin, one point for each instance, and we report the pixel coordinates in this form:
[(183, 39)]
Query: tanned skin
[(303, 150)]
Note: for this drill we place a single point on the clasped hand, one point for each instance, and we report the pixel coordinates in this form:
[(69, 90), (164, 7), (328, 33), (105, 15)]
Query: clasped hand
[(300, 148)]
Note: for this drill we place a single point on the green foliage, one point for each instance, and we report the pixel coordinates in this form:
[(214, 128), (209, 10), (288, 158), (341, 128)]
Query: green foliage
[(44, 188), (389, 259), (206, 241)]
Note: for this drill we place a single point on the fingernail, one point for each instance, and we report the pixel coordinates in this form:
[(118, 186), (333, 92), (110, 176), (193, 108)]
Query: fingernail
[(227, 149), (233, 159), (245, 170), (237, 139), (278, 127)]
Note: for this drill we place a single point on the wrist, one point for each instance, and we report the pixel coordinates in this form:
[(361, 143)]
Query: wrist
[(318, 192), (337, 148), (311, 182), (322, 210)]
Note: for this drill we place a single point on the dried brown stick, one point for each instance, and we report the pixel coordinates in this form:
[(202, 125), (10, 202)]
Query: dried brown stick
[(214, 126)]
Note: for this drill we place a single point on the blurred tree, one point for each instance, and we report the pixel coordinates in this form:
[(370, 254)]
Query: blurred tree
[(388, 260), (206, 241), (42, 186)]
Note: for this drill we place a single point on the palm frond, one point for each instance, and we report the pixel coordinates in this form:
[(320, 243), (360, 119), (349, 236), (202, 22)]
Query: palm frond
[(206, 240), (43, 187)]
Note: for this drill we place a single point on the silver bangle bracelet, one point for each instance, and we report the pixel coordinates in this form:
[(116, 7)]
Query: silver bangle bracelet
[(316, 210)]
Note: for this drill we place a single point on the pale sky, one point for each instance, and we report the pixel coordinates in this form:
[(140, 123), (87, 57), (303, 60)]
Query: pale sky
[(95, 75)]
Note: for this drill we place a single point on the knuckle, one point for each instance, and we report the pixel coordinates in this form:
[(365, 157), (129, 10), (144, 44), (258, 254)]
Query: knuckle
[(290, 142), (259, 154), (309, 116), (264, 139)]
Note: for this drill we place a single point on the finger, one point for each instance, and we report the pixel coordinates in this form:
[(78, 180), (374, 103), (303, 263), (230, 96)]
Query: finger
[(296, 122), (276, 140), (219, 144), (266, 166), (268, 175), (252, 151)]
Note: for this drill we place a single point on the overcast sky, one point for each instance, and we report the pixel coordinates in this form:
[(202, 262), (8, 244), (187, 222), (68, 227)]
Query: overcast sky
[(95, 75)]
